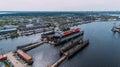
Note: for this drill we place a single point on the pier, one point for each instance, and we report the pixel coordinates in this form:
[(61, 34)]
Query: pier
[(30, 46), (14, 60)]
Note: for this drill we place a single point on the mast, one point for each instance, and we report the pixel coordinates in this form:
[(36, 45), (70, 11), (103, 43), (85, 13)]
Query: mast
[(1, 51)]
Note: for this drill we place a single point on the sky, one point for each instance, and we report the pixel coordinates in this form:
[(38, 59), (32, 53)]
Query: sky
[(59, 5)]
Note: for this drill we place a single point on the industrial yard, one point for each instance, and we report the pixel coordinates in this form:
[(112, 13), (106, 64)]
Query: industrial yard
[(67, 39), (53, 40)]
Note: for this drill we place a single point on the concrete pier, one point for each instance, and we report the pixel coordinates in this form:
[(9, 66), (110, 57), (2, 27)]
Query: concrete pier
[(58, 61), (14, 60), (31, 46)]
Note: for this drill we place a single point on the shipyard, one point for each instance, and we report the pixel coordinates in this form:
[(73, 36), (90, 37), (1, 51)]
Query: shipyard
[(59, 33), (58, 40), (54, 38)]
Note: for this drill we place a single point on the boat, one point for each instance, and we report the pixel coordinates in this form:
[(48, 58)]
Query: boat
[(3, 57), (71, 31), (116, 28)]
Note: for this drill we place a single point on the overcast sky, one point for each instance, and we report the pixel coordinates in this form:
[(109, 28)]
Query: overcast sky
[(59, 5)]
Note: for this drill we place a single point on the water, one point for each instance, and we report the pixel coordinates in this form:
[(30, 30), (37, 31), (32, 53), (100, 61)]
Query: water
[(103, 50), (10, 44), (2, 65)]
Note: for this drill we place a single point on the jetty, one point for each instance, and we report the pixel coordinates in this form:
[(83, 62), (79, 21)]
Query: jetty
[(28, 47)]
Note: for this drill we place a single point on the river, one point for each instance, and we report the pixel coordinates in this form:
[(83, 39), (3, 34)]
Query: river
[(103, 50)]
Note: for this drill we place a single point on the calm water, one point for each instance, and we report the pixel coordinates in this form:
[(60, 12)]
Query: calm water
[(10, 44), (1, 65), (103, 50)]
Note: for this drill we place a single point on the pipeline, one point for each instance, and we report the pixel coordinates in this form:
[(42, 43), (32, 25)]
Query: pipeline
[(60, 40), (70, 44)]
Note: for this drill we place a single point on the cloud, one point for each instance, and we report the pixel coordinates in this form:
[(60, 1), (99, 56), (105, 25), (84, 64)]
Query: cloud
[(59, 5)]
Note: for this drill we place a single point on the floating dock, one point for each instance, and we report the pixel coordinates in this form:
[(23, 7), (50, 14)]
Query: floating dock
[(65, 38), (76, 48), (54, 35), (70, 44), (69, 53)]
